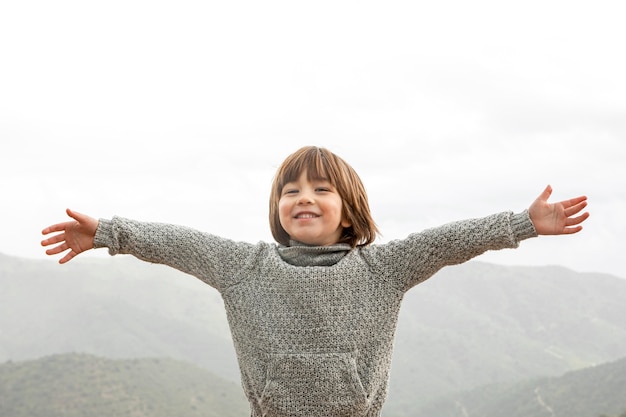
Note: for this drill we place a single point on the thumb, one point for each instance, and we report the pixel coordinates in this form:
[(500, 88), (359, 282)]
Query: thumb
[(79, 217), (545, 194)]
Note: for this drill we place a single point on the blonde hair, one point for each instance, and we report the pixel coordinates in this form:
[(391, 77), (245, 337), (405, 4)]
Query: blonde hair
[(320, 163)]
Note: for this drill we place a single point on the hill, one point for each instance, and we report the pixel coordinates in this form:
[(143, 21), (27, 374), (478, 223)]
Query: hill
[(74, 385), (590, 392), (477, 324), (85, 385), (112, 307), (468, 326)]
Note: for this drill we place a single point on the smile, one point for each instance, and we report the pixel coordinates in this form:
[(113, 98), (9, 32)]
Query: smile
[(306, 216)]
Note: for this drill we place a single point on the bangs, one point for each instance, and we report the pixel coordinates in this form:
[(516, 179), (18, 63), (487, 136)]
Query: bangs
[(314, 162)]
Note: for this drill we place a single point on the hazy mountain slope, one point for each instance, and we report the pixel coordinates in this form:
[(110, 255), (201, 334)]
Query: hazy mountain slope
[(115, 307), (74, 385), (591, 392), (468, 326), (478, 323), (82, 385)]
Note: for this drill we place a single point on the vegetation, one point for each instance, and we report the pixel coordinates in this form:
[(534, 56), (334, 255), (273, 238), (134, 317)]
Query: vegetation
[(621, 415), (583, 393), (473, 325), (76, 385)]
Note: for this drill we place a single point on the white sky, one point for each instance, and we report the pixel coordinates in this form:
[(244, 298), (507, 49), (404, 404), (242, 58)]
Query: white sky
[(181, 111)]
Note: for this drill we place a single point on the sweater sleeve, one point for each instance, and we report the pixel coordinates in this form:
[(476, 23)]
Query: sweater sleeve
[(210, 258), (414, 259)]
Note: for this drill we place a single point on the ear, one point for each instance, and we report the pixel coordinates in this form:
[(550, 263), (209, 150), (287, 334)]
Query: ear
[(345, 223)]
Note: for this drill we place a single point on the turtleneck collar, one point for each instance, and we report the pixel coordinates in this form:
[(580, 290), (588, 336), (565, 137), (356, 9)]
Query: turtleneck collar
[(301, 254)]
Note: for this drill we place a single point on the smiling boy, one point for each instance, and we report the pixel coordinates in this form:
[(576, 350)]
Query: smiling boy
[(313, 316)]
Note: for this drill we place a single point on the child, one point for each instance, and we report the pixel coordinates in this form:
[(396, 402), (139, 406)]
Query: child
[(313, 317)]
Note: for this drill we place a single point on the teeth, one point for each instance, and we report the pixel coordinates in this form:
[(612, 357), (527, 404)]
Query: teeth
[(306, 216)]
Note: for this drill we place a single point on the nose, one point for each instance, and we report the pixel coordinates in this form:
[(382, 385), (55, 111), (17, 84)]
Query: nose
[(305, 197)]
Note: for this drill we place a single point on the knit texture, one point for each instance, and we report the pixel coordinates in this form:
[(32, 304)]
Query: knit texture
[(313, 327)]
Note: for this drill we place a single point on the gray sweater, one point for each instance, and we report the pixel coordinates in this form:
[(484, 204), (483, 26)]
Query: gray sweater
[(313, 327)]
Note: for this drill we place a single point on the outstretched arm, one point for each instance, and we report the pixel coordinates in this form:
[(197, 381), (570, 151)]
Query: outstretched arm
[(557, 218), (76, 235)]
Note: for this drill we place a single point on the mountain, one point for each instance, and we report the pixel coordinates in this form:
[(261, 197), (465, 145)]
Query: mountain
[(85, 385), (113, 307), (477, 324), (468, 326), (77, 385), (590, 392)]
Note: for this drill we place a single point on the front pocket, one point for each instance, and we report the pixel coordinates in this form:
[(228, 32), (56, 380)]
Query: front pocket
[(303, 384)]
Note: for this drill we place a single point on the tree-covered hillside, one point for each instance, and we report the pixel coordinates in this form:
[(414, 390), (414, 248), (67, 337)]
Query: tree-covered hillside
[(594, 391), (468, 326), (74, 385)]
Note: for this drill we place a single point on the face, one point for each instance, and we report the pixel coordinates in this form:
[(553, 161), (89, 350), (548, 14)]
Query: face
[(311, 212)]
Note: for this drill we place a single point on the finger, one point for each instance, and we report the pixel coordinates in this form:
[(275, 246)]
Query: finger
[(54, 239), (572, 230), (577, 220), (573, 201), (79, 217), (545, 194), (55, 228), (57, 249), (570, 211), (68, 257), (73, 214)]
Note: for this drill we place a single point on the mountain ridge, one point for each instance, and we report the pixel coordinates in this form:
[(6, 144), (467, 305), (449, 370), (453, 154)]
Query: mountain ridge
[(591, 391), (468, 326), (74, 384)]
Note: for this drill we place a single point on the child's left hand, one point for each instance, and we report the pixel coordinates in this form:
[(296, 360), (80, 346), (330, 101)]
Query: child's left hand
[(557, 218)]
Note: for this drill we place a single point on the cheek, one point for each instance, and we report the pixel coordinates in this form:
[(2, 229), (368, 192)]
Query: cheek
[(283, 211)]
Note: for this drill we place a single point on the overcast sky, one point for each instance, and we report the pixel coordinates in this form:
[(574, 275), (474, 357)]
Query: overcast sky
[(181, 111)]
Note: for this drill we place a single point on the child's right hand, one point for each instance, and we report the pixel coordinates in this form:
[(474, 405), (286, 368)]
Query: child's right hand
[(77, 236)]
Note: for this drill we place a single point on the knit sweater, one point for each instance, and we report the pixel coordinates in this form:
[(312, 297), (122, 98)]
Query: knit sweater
[(313, 327)]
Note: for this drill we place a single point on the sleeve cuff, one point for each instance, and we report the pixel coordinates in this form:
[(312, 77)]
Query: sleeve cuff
[(522, 226), (104, 234)]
